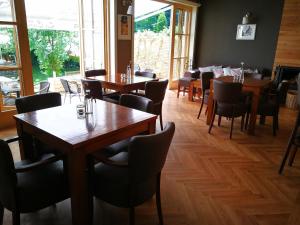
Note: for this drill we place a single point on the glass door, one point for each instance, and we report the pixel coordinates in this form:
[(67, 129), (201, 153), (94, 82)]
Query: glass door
[(13, 76), (180, 60)]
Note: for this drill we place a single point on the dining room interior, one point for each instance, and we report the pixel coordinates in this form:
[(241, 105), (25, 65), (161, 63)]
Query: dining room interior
[(181, 112)]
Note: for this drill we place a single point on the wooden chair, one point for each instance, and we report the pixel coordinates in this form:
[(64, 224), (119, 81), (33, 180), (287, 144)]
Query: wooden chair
[(30, 186), (185, 81), (94, 73), (128, 179)]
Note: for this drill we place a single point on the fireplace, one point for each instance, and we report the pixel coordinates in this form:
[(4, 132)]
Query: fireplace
[(287, 73)]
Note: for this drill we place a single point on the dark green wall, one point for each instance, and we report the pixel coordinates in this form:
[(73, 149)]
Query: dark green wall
[(216, 33)]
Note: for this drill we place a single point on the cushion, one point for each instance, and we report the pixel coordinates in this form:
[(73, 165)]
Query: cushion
[(236, 72), (218, 72), (227, 71), (206, 69)]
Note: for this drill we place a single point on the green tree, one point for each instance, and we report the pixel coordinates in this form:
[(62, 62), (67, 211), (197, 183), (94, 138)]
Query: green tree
[(51, 48), (161, 22)]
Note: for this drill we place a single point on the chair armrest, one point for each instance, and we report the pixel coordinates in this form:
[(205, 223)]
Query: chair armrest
[(101, 158), (38, 164), (12, 139)]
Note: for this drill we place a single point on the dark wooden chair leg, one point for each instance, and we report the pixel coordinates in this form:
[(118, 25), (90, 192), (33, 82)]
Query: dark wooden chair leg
[(231, 128), (242, 122), (212, 119), (1, 214), (16, 218), (247, 121), (292, 157), (158, 201), (131, 216), (202, 102), (178, 91), (219, 121)]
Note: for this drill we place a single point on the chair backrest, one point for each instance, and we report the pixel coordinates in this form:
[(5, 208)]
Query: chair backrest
[(136, 102), (8, 178), (65, 85), (156, 90), (282, 90), (205, 80), (93, 73), (147, 154), (93, 88), (145, 74), (44, 87), (227, 92), (37, 102)]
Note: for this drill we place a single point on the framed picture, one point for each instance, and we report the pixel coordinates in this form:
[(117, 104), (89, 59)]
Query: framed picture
[(124, 27), (246, 32)]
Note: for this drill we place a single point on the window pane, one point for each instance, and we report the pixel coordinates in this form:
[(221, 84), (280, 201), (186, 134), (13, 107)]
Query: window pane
[(7, 46), (6, 11), (9, 88), (180, 46), (179, 67)]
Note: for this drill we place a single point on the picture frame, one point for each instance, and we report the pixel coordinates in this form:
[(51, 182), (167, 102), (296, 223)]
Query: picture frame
[(124, 27), (246, 32)]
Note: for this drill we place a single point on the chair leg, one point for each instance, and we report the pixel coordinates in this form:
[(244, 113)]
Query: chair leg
[(202, 102), (16, 218), (70, 98), (292, 157), (65, 98), (274, 125), (206, 110), (131, 216), (212, 119), (242, 122), (287, 152), (1, 213), (219, 121), (178, 91), (158, 201), (231, 128), (247, 121)]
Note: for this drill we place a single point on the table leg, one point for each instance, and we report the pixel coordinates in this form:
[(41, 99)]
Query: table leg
[(78, 181), (253, 114), (210, 107), (191, 88)]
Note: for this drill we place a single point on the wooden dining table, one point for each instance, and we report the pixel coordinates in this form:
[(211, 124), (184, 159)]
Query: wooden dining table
[(60, 127), (123, 85), (254, 86)]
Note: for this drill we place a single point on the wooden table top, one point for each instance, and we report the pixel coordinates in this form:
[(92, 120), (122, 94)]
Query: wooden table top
[(248, 82), (62, 122), (121, 81)]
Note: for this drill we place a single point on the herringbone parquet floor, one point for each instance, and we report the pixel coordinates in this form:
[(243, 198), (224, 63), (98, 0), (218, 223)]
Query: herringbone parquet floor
[(209, 179)]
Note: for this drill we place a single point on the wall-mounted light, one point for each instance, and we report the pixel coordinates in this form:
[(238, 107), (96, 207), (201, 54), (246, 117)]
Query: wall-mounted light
[(128, 3), (247, 18)]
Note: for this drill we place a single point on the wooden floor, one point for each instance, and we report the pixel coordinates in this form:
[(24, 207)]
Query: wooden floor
[(209, 179)]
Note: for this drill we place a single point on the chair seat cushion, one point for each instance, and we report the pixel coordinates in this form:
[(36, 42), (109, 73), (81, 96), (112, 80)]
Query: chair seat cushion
[(111, 184), (185, 81), (111, 150), (41, 187), (230, 110)]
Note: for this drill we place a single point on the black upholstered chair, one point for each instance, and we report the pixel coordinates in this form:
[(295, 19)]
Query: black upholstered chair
[(270, 103), (134, 102), (228, 102), (94, 73), (34, 148), (29, 186), (185, 81), (71, 88), (205, 88), (130, 178), (156, 91), (145, 74)]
